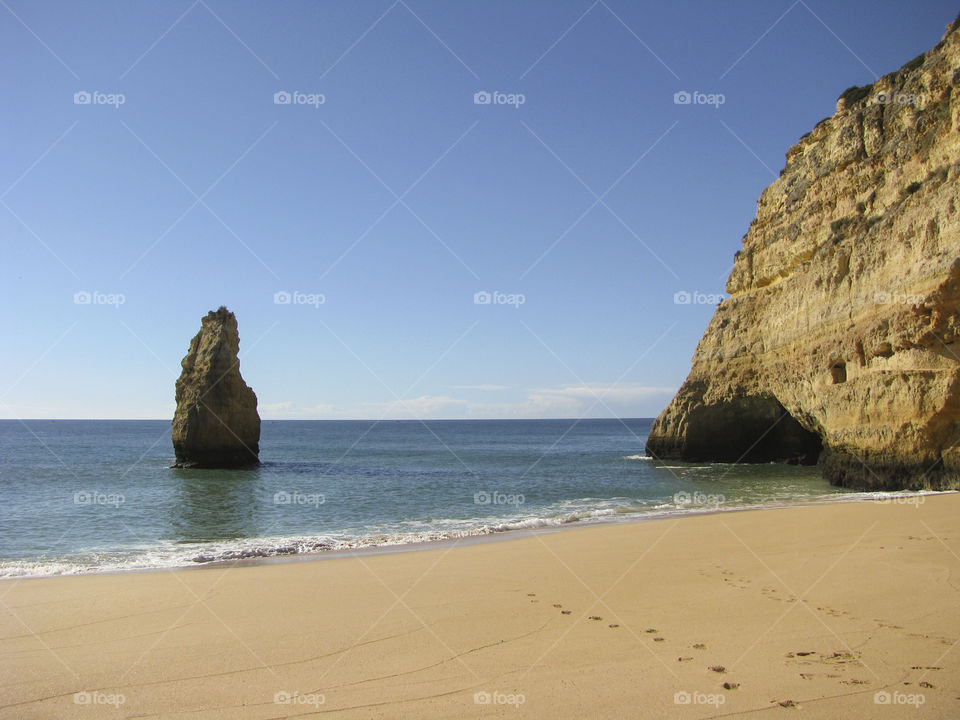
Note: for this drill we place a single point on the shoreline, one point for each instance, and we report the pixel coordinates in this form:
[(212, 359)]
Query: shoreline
[(831, 609), (497, 535)]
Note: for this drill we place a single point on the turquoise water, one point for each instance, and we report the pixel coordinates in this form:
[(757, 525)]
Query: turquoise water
[(81, 496)]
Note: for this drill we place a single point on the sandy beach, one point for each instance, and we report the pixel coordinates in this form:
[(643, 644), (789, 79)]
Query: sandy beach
[(832, 611)]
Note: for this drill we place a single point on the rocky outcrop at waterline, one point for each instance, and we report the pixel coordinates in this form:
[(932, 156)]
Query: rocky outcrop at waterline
[(838, 342), (216, 424)]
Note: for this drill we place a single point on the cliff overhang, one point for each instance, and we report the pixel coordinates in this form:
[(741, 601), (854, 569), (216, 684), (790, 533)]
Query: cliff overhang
[(838, 341)]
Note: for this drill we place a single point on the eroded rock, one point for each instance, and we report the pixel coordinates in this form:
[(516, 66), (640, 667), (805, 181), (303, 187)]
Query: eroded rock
[(838, 342), (216, 424)]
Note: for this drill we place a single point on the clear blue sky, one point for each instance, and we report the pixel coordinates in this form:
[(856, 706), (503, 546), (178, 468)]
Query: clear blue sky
[(398, 198)]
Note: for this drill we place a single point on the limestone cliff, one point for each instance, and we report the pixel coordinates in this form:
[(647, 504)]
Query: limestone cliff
[(838, 343), (216, 422)]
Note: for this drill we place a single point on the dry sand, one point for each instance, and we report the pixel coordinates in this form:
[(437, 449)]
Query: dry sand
[(807, 612)]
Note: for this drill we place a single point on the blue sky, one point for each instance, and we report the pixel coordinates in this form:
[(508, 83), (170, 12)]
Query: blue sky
[(384, 190)]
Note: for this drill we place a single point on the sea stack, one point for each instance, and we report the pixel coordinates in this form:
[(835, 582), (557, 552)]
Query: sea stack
[(838, 342), (216, 424)]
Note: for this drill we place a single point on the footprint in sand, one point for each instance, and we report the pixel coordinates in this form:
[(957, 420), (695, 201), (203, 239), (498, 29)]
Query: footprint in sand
[(729, 576), (832, 611), (941, 640), (773, 594), (881, 623), (836, 661), (841, 658)]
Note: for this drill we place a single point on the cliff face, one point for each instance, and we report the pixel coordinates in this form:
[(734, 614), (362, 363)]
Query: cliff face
[(838, 342), (216, 422)]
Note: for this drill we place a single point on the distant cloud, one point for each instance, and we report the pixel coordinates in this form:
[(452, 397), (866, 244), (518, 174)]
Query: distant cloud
[(565, 401), (463, 402), (279, 407)]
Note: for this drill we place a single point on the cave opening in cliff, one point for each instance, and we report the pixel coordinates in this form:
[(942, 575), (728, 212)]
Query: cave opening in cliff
[(838, 373), (755, 429)]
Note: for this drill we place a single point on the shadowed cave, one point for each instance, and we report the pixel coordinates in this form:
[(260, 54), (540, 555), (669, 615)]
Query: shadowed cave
[(749, 430)]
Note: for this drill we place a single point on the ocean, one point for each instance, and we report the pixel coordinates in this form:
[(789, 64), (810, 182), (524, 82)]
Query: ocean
[(81, 496)]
